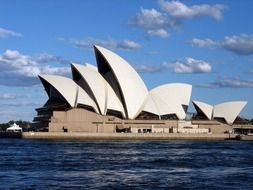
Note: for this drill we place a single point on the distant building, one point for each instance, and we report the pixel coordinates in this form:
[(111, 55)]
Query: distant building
[(14, 128), (112, 97)]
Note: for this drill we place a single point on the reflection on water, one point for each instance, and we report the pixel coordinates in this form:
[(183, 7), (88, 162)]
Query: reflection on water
[(35, 164)]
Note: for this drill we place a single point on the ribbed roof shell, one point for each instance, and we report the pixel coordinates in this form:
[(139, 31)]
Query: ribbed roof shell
[(205, 108), (168, 99), (101, 90), (131, 86), (70, 91), (96, 83), (229, 110)]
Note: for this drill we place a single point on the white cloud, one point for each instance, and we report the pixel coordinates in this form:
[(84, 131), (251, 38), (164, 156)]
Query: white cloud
[(171, 16), (150, 19), (148, 68), (203, 42), (241, 45), (4, 33), (128, 44), (22, 70), (179, 10), (189, 65), (110, 43), (159, 32), (48, 58), (7, 96), (229, 83), (54, 70), (14, 57), (12, 96), (21, 104), (234, 83), (154, 22)]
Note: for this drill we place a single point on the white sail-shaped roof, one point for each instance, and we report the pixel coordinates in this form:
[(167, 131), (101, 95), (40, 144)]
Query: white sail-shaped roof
[(158, 106), (228, 110), (174, 92), (151, 105), (96, 84), (101, 91), (69, 90), (84, 99), (113, 102), (205, 108), (169, 99), (125, 81)]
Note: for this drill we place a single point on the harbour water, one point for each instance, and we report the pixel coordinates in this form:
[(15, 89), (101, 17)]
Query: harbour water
[(38, 164)]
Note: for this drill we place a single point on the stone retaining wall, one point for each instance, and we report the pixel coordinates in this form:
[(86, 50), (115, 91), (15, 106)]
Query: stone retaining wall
[(124, 136)]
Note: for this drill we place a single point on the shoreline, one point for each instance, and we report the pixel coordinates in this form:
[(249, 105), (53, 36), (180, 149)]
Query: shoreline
[(82, 136), (125, 136), (16, 135)]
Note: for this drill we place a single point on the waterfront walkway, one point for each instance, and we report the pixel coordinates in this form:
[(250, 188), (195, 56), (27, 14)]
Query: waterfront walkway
[(125, 136)]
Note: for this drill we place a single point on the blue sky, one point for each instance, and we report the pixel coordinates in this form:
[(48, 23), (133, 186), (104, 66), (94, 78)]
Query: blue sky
[(208, 44)]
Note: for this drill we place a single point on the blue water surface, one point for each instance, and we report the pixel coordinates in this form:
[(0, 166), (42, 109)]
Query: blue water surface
[(37, 164)]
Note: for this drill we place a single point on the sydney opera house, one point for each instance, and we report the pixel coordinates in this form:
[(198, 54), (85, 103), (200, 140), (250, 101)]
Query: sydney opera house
[(113, 98)]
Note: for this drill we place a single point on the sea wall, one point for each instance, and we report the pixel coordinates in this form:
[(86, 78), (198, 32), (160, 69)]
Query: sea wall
[(124, 136), (10, 134)]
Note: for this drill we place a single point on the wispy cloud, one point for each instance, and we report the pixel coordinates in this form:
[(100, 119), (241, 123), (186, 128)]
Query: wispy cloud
[(241, 45), (158, 32), (153, 53), (12, 96), (229, 83), (187, 65), (149, 68), (20, 104), (152, 21), (179, 10), (4, 33), (109, 43), (7, 96), (48, 58), (203, 42), (128, 45), (18, 69), (8, 115), (171, 15)]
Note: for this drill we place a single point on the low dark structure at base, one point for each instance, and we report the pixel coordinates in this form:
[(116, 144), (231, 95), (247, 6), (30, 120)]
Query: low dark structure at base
[(244, 137), (10, 134)]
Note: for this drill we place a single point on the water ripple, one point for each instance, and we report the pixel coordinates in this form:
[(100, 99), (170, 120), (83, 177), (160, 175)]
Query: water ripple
[(31, 164)]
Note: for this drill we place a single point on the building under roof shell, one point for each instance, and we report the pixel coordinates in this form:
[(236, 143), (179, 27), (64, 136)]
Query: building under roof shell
[(115, 89)]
